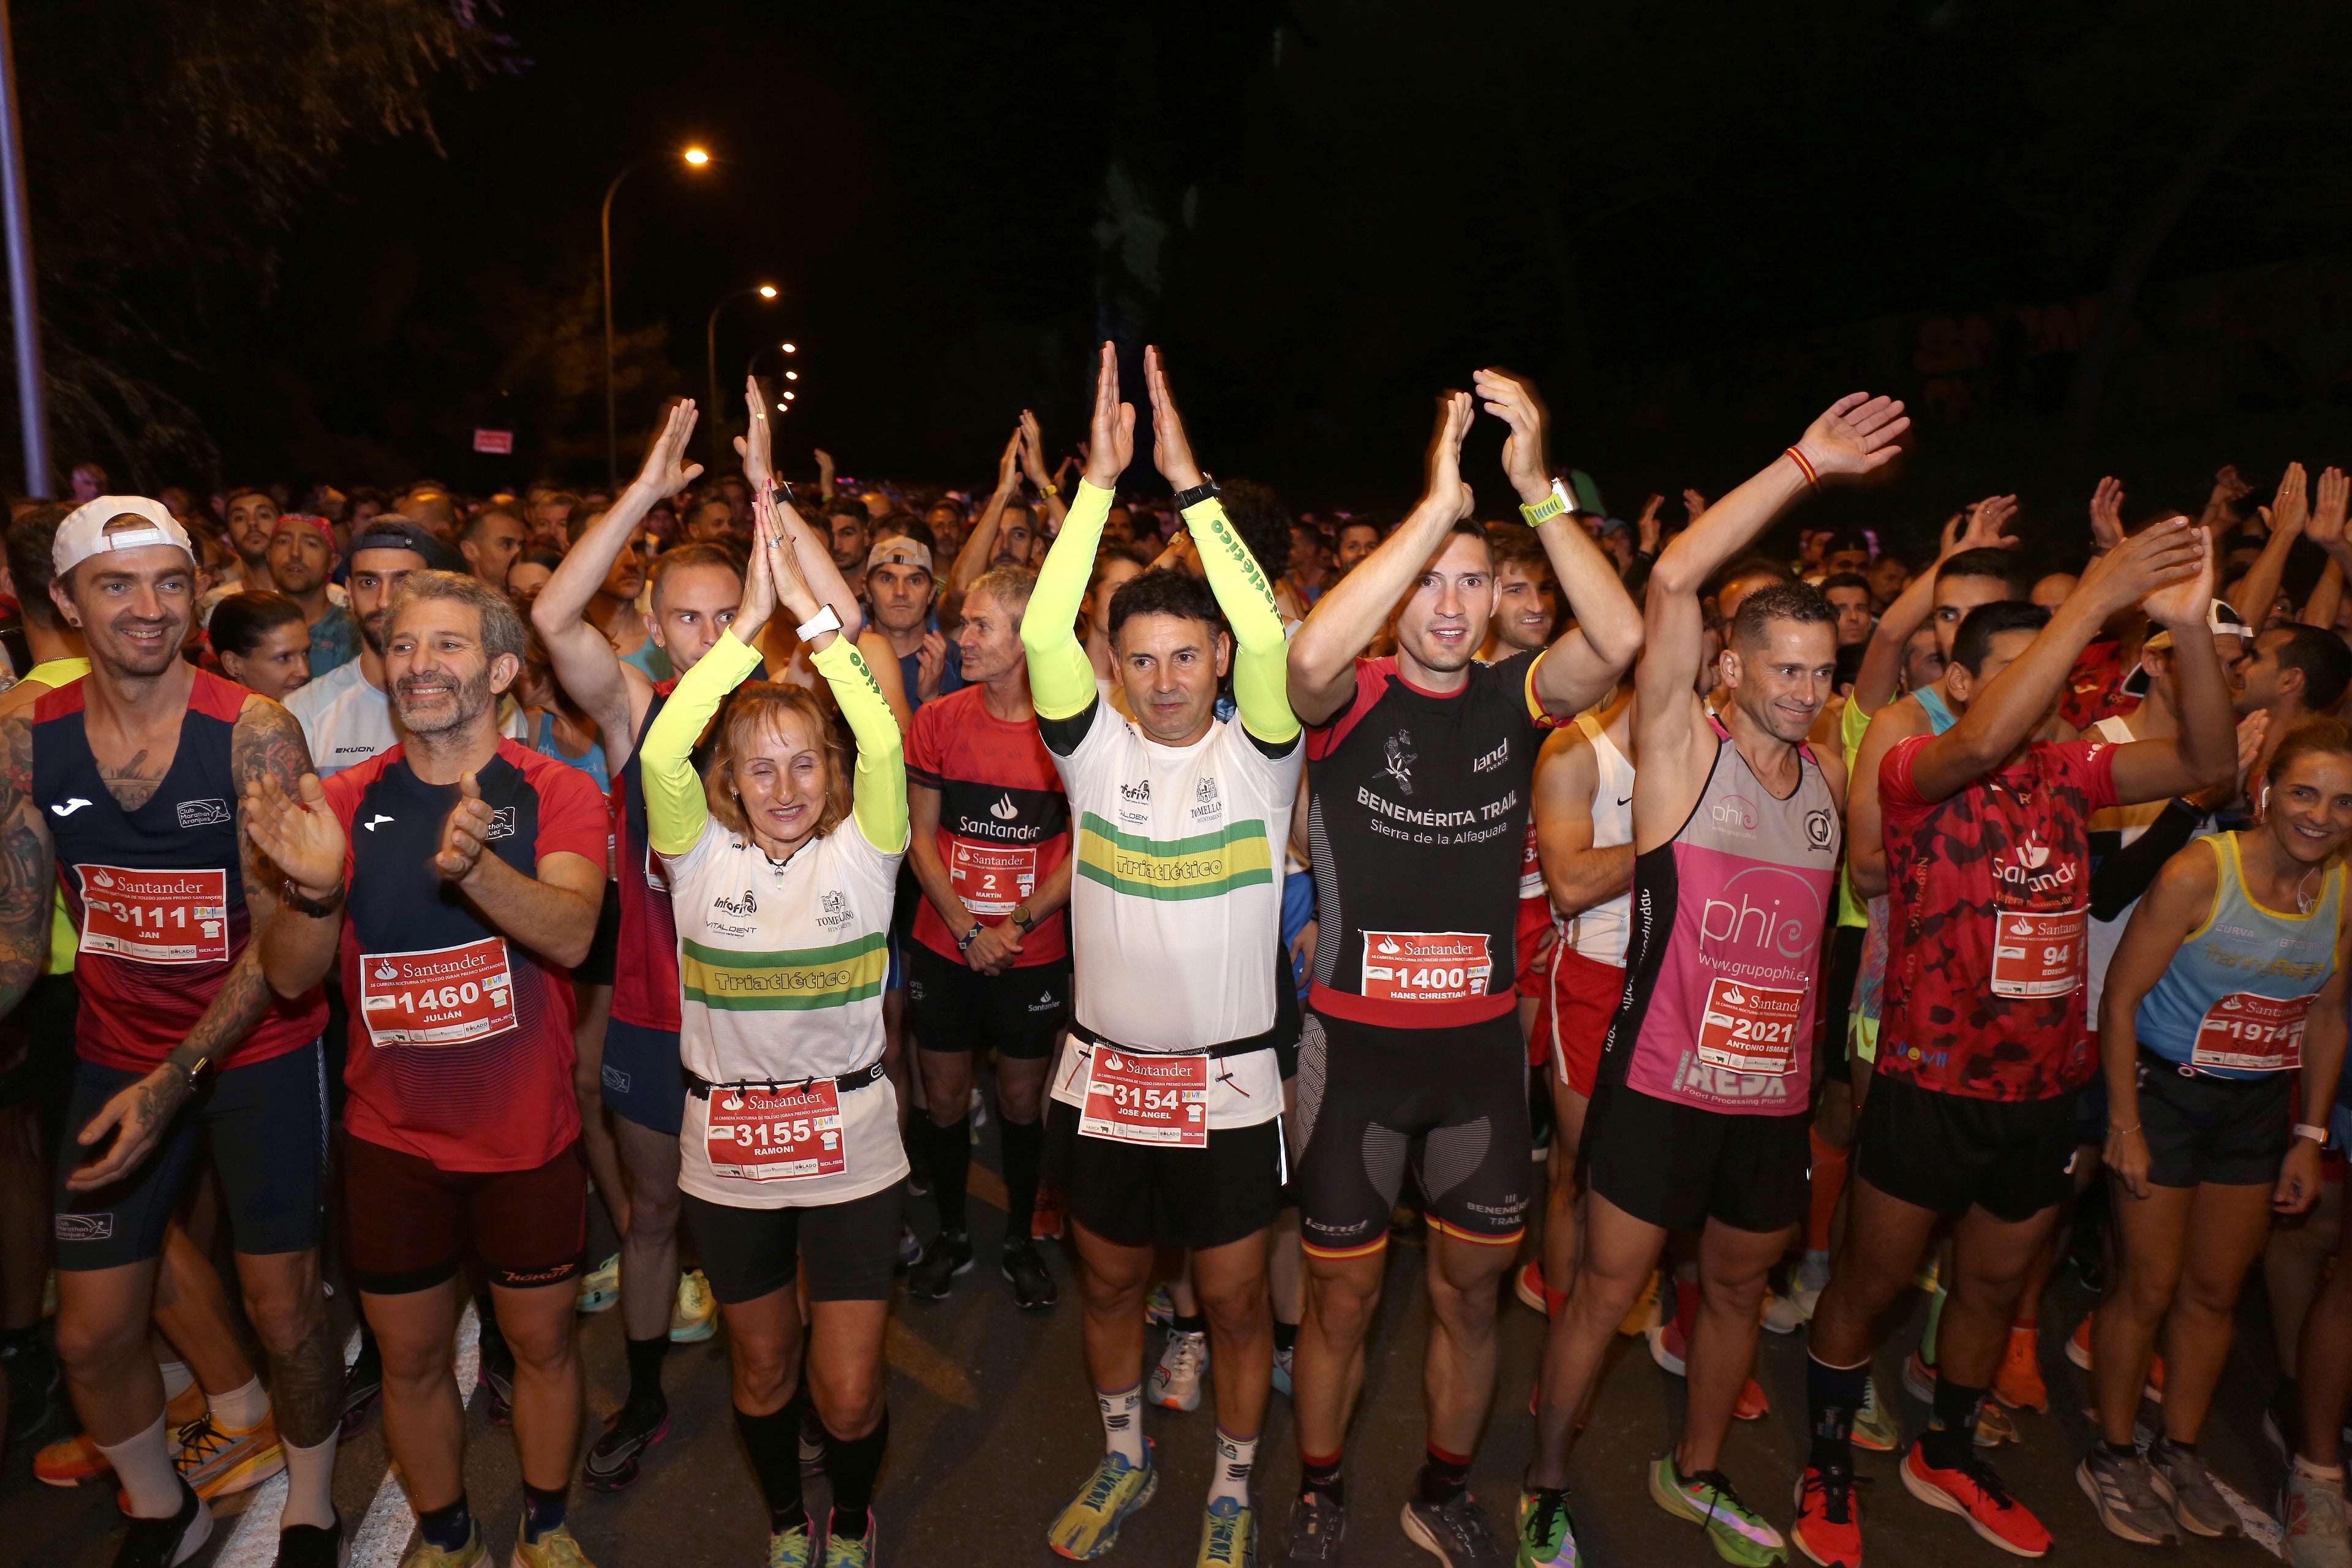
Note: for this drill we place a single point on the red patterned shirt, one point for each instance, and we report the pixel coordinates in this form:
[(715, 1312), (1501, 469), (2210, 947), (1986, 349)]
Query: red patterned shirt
[(2094, 686), (1987, 905)]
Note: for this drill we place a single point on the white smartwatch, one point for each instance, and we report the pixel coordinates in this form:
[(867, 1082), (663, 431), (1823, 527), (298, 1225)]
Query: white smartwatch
[(2316, 1133), (824, 620)]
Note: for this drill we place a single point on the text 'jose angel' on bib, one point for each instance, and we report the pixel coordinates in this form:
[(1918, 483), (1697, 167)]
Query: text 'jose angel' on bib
[(1138, 1096), (2038, 954), (1751, 1029), (1426, 965), (2252, 1034), (768, 1134), (155, 917), (448, 996)]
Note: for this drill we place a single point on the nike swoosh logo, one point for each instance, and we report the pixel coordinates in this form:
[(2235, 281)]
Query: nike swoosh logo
[(1627, 801), (370, 823), (69, 808)]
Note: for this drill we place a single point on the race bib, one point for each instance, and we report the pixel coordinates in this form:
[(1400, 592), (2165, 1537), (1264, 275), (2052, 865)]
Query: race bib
[(1751, 1029), (2038, 954), (448, 996), (1425, 966), (777, 1134), (155, 917), (2251, 1034), (992, 879), (1531, 880), (1143, 1097)]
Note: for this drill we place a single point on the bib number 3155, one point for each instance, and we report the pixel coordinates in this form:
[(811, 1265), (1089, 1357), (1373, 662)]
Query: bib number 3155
[(777, 1134)]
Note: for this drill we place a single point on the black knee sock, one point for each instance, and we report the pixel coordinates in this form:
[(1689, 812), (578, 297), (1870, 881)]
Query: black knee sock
[(1322, 1475), (1833, 1395), (951, 1165), (1951, 1428), (644, 1368), (541, 1511), (447, 1528), (1024, 1153), (853, 1463), (773, 1443)]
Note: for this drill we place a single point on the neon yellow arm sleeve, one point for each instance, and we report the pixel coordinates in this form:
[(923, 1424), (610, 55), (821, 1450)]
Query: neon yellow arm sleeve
[(675, 808), (880, 796), (1261, 657), (1061, 677)]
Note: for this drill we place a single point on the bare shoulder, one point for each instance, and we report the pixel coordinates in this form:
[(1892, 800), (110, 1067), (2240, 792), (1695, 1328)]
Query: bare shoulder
[(268, 740)]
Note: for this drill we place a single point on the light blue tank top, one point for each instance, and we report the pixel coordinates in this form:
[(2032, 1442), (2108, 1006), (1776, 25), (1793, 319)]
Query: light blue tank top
[(591, 763), (2232, 1002), (1938, 716)]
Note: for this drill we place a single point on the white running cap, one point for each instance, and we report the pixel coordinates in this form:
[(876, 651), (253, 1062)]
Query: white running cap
[(83, 532)]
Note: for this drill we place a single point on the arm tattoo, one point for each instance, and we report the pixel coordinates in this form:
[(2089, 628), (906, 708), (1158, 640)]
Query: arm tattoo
[(28, 867), (267, 742)]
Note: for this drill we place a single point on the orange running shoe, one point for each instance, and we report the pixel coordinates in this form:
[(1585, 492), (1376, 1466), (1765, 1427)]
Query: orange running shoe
[(69, 1461), (1829, 1520), (2018, 1382), (1751, 1404), (1978, 1494), (1528, 1285), (2078, 1351), (215, 1463)]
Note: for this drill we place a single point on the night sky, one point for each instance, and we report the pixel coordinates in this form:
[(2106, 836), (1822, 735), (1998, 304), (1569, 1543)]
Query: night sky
[(1694, 223)]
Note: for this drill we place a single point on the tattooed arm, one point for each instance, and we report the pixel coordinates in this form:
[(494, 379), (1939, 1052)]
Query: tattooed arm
[(286, 834), (28, 867), (267, 742)]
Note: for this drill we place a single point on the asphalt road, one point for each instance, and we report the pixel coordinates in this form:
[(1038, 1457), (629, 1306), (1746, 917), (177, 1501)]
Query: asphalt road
[(992, 1431)]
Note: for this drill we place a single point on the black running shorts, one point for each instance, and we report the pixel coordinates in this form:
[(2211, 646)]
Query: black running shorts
[(958, 1008), (2230, 1132), (2012, 1158), (1134, 1195), (1679, 1166), (1450, 1103), (851, 1248)]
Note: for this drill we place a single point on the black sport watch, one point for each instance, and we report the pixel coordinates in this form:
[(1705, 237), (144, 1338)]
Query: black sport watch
[(1198, 493)]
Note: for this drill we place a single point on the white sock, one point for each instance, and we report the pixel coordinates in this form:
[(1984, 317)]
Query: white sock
[(311, 1485), (1235, 1458), (177, 1379), (2310, 1471), (143, 1465), (1122, 1416), (240, 1409)]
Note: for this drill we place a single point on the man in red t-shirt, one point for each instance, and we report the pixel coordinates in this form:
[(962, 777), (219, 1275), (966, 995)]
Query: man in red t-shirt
[(1981, 1040), (989, 963)]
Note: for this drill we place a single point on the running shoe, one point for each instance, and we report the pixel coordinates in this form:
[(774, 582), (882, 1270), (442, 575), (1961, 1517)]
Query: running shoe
[(1547, 1533), (164, 1543), (1281, 1364), (1226, 1531), (1318, 1522), (600, 1288), (1644, 1310), (618, 1457), (1994, 1427), (1046, 1216), (850, 1550), (2078, 1351), (1808, 1280), (1528, 1285), (792, 1547), (910, 1251), (1176, 1380), (812, 1436), (311, 1545), (2197, 1503), (2130, 1496), (555, 1548), (1158, 1308), (215, 1463), (1456, 1531), (1739, 1533), (1089, 1526), (1666, 1348), (1919, 1378), (1751, 1404), (1033, 1283), (69, 1461), (1783, 1314), (425, 1554), (2018, 1382), (694, 1316), (949, 1255), (1980, 1496), (1874, 1428), (363, 1386), (1829, 1519), (2313, 1510), (497, 1374)]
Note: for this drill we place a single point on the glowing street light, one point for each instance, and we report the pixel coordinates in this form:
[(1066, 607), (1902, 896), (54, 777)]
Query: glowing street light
[(791, 348), (788, 398), (791, 376), (767, 290), (784, 409), (696, 156), (711, 353)]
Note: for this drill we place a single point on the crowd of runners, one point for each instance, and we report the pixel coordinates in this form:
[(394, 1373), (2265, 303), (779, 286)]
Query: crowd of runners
[(1683, 941)]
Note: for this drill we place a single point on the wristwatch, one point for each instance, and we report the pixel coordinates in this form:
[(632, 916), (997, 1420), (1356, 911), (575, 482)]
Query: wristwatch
[(1023, 918), (1198, 493), (2316, 1133), (824, 620), (1550, 506)]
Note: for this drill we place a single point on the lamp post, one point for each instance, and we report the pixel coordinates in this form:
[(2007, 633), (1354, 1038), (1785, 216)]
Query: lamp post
[(694, 157), (32, 386), (711, 357)]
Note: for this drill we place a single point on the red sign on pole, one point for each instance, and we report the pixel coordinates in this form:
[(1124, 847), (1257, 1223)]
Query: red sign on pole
[(500, 442)]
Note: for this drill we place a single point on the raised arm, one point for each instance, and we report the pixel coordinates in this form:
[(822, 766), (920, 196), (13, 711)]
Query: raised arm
[(582, 658), (2203, 753), (1061, 677), (2014, 703), (1261, 658), (1881, 661), (1605, 630), (676, 811), (2288, 512), (815, 558), (1322, 659), (1032, 463), (980, 544)]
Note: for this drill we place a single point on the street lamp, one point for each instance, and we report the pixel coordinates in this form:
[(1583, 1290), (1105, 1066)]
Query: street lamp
[(695, 157), (710, 355)]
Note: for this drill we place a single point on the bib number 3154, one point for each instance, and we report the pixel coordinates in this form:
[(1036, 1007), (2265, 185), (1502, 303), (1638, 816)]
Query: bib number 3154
[(1143, 1097), (777, 1134)]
